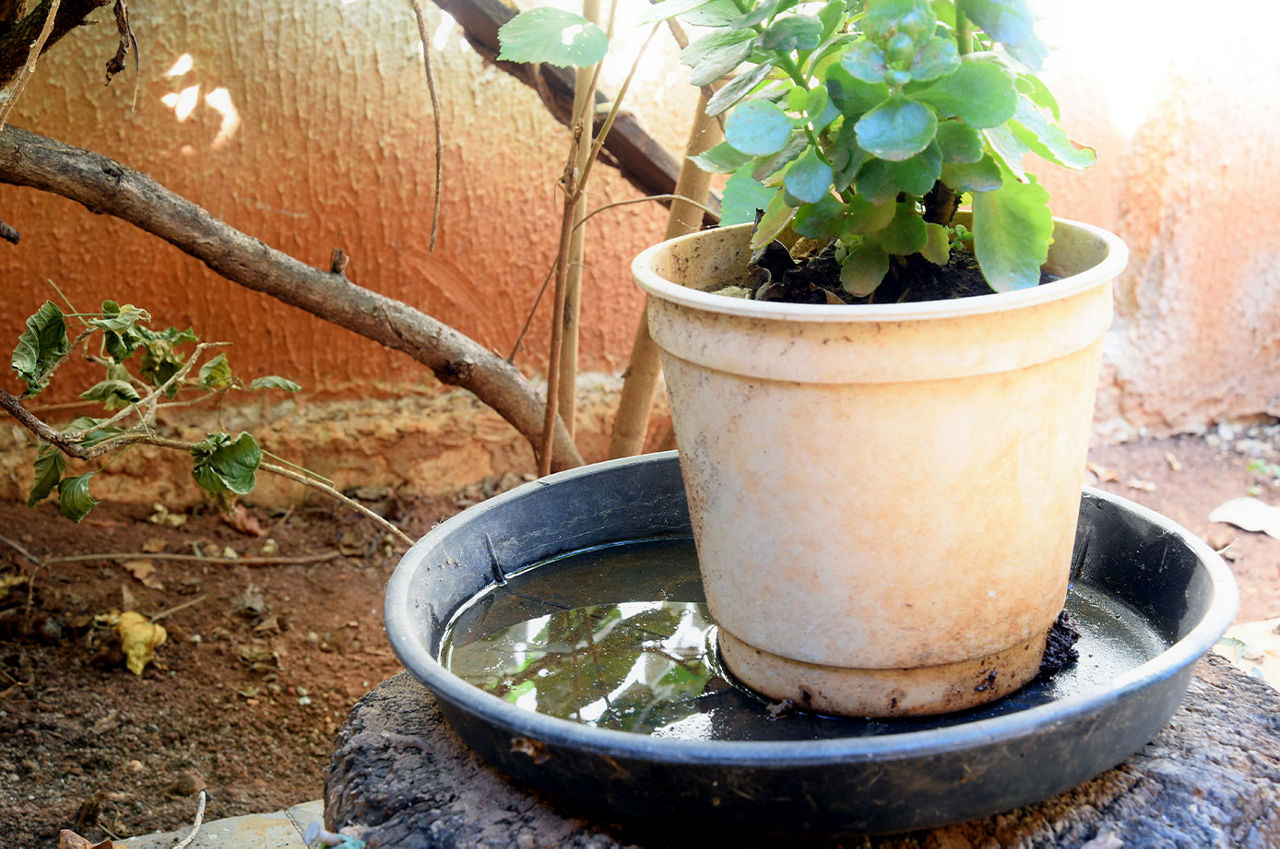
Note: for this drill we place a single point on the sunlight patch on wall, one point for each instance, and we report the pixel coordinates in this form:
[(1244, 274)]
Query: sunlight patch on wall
[(183, 64), (183, 103), (219, 100)]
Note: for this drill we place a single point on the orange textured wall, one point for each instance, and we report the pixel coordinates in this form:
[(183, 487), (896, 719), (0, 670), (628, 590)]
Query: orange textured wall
[(307, 124), (333, 147)]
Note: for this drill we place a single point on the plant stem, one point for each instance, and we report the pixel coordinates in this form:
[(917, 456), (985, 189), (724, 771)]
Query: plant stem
[(964, 33), (435, 114), (333, 493)]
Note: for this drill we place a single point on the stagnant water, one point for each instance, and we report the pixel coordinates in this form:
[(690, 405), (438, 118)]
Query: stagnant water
[(619, 637)]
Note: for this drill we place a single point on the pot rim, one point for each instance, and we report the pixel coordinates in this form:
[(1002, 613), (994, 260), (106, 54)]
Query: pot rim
[(1117, 257), (403, 629)]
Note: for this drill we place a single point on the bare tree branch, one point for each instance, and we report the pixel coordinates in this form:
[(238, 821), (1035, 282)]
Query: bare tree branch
[(15, 42), (105, 186)]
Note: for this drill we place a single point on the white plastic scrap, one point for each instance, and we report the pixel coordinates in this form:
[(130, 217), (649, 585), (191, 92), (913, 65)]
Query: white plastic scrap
[(1249, 514)]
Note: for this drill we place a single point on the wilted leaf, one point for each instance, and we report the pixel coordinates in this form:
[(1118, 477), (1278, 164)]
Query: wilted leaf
[(553, 36), (139, 639), (40, 346), (272, 381), (225, 465), (113, 394), (49, 468), (74, 500), (216, 373)]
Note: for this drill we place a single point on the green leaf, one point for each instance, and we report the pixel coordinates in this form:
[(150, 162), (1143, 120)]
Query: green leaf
[(736, 89), (936, 57), (979, 92), (775, 219), (49, 467), (845, 156), (887, 17), (863, 269), (668, 9), (959, 142), (743, 196), (715, 55), (272, 381), (798, 32), (113, 394), (224, 465), (74, 500), (821, 220), (717, 13), (216, 373), (881, 181), (1007, 149), (937, 248), (1010, 23), (1034, 88), (1012, 229), (809, 179), (796, 145), (1039, 132), (906, 233), (724, 158), (552, 36), (160, 359), (865, 62), (40, 346), (981, 176), (819, 109), (852, 96), (897, 129), (758, 127), (865, 217)]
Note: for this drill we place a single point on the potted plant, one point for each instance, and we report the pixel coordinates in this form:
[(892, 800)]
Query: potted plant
[(883, 480)]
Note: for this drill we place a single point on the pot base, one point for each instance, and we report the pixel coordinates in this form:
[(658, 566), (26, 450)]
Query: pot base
[(919, 691)]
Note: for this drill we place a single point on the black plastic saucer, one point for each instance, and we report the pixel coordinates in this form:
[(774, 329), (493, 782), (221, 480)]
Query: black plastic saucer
[(1150, 598)]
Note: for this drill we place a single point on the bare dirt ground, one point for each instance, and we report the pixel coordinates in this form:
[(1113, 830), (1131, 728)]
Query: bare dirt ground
[(264, 660)]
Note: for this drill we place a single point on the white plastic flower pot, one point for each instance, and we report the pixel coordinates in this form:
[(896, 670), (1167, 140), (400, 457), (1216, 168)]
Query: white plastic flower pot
[(884, 498)]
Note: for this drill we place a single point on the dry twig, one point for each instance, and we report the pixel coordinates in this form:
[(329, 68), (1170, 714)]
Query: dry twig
[(195, 829), (435, 115), (29, 67)]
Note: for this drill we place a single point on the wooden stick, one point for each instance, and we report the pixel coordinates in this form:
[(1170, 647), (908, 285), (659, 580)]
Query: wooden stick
[(640, 380)]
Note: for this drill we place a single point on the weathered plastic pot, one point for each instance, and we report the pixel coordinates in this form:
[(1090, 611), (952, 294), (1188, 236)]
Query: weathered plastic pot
[(884, 497)]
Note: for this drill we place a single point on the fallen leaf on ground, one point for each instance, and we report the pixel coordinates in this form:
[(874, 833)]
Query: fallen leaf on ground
[(352, 544), (68, 839), (1103, 474), (250, 603), (154, 545), (162, 516), (1249, 514), (8, 582), (243, 521), (1172, 461), (139, 639), (144, 571), (1140, 484)]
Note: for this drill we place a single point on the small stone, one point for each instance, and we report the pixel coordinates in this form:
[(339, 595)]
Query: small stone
[(187, 782), (133, 767)]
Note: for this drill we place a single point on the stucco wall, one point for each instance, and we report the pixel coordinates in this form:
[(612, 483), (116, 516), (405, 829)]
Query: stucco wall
[(306, 123)]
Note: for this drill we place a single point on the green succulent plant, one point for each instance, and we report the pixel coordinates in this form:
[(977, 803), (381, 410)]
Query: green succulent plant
[(865, 124)]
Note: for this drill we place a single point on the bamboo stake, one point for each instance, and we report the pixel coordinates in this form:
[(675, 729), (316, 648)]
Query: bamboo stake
[(584, 98), (641, 378)]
